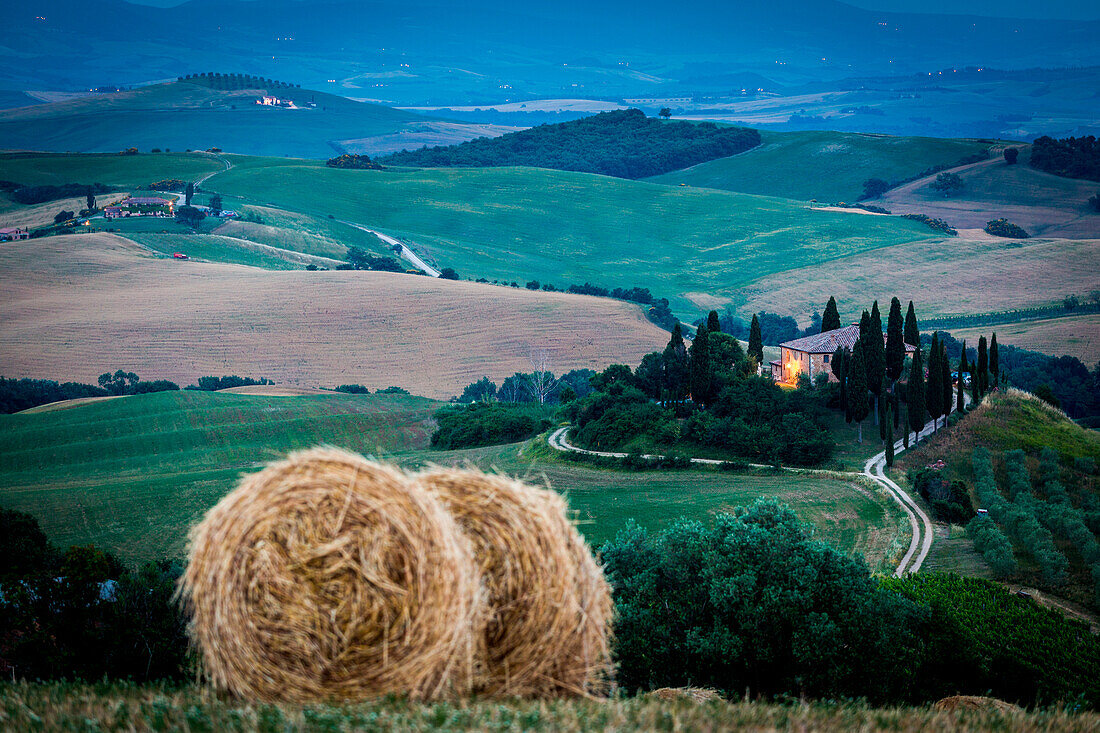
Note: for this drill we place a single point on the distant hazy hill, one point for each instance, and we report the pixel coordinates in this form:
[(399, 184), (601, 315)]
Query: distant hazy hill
[(420, 51), (182, 115)]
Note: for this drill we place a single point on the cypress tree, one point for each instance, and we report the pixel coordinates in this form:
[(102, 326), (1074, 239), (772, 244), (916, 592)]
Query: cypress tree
[(945, 382), (960, 396), (883, 415), (756, 344), (895, 400), (712, 323), (864, 326), (912, 331), (874, 351), (889, 423), (699, 366), (914, 393), (830, 319), (933, 400), (905, 434), (836, 363), (841, 359), (994, 361), (982, 377), (859, 400), (189, 192), (895, 342)]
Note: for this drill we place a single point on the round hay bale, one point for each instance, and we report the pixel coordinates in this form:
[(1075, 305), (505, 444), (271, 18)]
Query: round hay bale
[(550, 608), (975, 702), (330, 577), (693, 694)]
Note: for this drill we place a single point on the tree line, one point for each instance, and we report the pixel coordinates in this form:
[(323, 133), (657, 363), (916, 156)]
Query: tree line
[(623, 143), (1072, 157), (22, 394)]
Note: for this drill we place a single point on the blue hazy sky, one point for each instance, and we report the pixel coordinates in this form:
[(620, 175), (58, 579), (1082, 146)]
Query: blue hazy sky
[(1069, 9)]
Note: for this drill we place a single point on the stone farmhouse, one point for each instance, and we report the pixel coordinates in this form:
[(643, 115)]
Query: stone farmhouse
[(811, 355), (13, 233), (140, 206)]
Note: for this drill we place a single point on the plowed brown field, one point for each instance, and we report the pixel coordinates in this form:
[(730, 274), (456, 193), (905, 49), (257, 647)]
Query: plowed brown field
[(76, 306)]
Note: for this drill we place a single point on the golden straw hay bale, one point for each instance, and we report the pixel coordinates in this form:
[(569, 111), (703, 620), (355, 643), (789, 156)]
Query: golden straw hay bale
[(327, 576), (694, 694), (550, 608), (975, 702)]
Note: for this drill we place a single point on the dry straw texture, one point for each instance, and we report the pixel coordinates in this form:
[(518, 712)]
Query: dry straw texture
[(973, 702), (550, 607), (327, 576)]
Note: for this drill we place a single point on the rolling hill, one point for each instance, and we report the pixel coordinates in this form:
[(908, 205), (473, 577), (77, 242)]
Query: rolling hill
[(827, 166), (76, 306), (132, 474), (191, 115)]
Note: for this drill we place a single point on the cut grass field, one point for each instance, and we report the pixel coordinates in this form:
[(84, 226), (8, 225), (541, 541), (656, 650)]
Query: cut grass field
[(74, 307), (944, 276), (1073, 335), (523, 223), (827, 166), (67, 706), (132, 474), (1043, 204)]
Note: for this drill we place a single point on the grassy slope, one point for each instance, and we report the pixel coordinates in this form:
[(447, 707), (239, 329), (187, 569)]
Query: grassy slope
[(132, 474), (827, 166), (124, 171), (181, 115), (63, 706), (521, 223)]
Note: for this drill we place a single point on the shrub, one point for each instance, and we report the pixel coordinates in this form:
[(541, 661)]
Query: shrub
[(754, 604), (950, 501), (484, 423), (353, 389), (1005, 228), (393, 390), (353, 162), (936, 225)]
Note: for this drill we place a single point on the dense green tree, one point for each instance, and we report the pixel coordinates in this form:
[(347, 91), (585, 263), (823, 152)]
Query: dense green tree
[(912, 330), (883, 406), (700, 370), (189, 215), (216, 204), (713, 323), (982, 373), (665, 113), (675, 366), (906, 431), (895, 342), (63, 216), (947, 183), (119, 382), (875, 353), (830, 319), (448, 273), (859, 395), (189, 193), (994, 361), (933, 400), (756, 343), (945, 381), (889, 421), (874, 187), (914, 395), (1011, 154), (960, 394)]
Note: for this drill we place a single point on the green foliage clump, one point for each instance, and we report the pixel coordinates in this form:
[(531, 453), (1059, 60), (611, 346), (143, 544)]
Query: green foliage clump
[(353, 162), (1005, 228), (1073, 157), (754, 603), (624, 143), (949, 500), (485, 423), (936, 225), (28, 195), (359, 259)]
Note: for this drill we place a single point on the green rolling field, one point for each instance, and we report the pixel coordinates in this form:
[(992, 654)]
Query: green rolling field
[(124, 171), (827, 166), (524, 223), (132, 474), (182, 115)]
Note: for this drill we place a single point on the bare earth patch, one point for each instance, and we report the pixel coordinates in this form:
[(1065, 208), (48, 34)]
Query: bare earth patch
[(74, 307)]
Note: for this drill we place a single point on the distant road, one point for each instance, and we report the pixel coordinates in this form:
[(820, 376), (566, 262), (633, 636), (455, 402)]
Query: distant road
[(404, 252)]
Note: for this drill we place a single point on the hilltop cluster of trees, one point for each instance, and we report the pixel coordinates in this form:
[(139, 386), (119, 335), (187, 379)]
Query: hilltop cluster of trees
[(232, 82), (350, 161), (41, 194), (213, 384), (754, 606), (1073, 157), (624, 143)]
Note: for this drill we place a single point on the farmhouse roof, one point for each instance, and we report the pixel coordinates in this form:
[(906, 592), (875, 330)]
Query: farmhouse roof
[(145, 200), (829, 341), (11, 230)]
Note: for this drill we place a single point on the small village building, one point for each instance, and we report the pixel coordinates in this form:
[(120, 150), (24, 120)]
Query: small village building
[(11, 234), (140, 206), (811, 355)]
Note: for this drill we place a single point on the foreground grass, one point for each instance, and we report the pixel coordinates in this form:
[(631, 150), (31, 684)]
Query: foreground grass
[(60, 706), (827, 166)]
